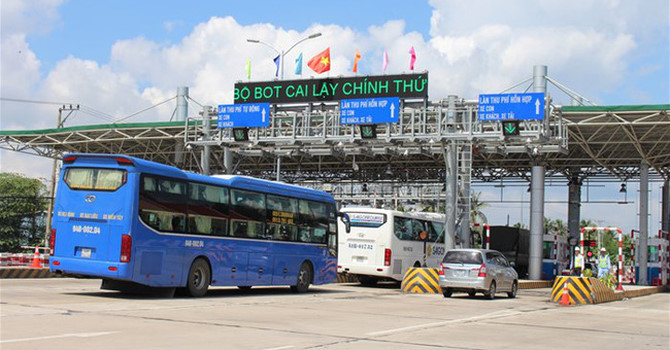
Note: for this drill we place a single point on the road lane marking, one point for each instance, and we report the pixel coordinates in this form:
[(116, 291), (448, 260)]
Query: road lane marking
[(489, 316), (68, 335), (281, 347)]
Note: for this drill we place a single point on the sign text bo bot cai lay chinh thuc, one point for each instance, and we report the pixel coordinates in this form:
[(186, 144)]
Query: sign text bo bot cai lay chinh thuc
[(404, 86)]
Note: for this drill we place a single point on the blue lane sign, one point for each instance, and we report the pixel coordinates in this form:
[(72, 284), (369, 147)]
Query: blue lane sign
[(526, 106), (248, 115), (369, 110)]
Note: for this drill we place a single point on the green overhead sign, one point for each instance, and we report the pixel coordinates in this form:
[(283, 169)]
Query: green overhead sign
[(404, 86)]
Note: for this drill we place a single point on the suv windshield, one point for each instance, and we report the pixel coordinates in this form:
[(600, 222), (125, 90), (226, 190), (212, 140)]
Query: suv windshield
[(462, 257)]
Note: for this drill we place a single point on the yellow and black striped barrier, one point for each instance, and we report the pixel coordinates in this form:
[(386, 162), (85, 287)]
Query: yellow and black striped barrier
[(421, 280), (580, 290)]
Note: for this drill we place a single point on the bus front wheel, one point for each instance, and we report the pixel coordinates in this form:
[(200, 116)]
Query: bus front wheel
[(198, 278), (304, 279)]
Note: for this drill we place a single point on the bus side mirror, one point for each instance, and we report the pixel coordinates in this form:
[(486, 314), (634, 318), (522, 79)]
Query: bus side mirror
[(345, 219)]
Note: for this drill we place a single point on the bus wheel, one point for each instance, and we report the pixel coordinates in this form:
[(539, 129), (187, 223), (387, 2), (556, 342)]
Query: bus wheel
[(304, 279), (198, 278)]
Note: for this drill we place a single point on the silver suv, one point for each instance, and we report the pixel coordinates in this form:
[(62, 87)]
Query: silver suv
[(477, 270)]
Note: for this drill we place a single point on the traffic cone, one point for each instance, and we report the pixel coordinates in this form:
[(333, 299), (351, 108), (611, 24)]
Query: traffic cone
[(36, 259), (565, 298)]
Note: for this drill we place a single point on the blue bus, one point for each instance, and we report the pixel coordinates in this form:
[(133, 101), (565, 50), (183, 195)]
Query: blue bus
[(138, 223)]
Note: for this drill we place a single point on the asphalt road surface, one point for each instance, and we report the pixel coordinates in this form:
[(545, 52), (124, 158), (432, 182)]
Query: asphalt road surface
[(75, 314)]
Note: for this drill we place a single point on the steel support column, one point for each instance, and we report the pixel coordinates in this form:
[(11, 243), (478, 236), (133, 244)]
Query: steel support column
[(181, 113), (228, 160), (204, 154), (665, 206), (574, 206), (537, 195), (644, 223), (536, 222), (451, 185)]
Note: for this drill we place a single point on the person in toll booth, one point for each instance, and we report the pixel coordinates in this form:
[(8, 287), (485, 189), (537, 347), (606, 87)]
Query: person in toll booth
[(604, 264), (578, 264)]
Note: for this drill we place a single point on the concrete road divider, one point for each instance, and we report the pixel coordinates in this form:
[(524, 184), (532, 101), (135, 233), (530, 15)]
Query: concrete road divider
[(593, 291), (421, 280)]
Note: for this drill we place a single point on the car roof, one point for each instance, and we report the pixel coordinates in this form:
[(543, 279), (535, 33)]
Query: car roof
[(474, 250)]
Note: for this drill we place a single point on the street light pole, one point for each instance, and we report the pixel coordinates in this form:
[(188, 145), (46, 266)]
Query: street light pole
[(283, 53)]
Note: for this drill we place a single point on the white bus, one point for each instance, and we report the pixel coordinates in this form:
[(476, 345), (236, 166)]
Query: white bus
[(382, 244)]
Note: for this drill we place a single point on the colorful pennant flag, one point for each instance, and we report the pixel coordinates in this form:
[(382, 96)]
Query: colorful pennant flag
[(356, 59), (298, 65), (385, 62), (276, 61), (248, 68), (412, 58), (321, 62)]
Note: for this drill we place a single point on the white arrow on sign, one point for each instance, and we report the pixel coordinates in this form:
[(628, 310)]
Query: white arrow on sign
[(392, 109), (537, 106), (263, 115)]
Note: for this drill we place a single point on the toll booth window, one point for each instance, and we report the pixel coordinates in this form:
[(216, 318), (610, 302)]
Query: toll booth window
[(547, 247), (652, 257), (94, 179)]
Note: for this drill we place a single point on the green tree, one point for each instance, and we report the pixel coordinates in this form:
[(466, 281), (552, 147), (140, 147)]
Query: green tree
[(22, 211), (520, 225), (476, 206), (477, 216)]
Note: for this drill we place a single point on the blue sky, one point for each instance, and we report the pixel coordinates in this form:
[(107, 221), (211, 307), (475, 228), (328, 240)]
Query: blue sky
[(88, 29), (123, 56)]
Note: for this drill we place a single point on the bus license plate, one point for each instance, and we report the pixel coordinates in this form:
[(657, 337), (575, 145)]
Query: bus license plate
[(86, 253)]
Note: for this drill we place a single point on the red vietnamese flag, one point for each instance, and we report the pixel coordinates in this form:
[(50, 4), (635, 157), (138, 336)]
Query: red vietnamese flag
[(321, 62)]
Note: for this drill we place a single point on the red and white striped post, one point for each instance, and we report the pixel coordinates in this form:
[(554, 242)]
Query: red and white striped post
[(618, 271), (488, 236), (632, 255), (581, 251)]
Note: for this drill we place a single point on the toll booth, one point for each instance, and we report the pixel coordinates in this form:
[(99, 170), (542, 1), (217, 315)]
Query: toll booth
[(555, 256), (658, 264)]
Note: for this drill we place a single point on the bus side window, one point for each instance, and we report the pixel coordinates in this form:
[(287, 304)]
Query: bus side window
[(438, 227), (282, 214), (247, 213), (417, 227), (402, 228), (432, 235), (208, 211), (163, 204), (313, 222)]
